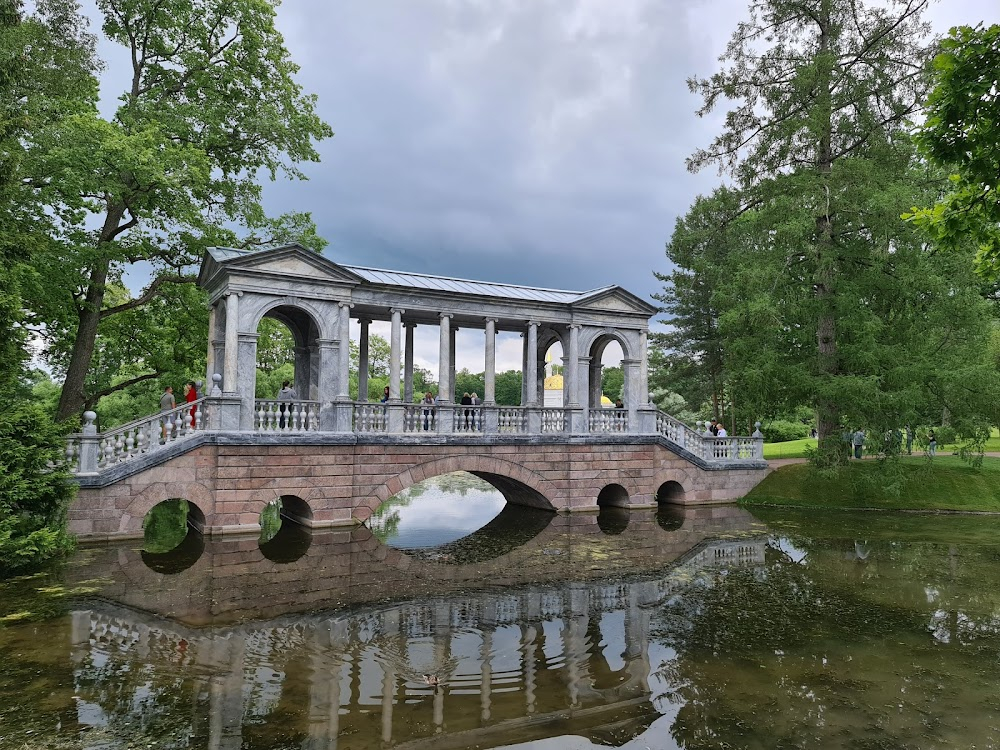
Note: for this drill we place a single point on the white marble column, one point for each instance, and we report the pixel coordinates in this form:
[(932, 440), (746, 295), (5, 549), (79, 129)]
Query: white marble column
[(643, 394), (246, 377), (363, 366), (573, 367), (395, 345), (531, 376), (408, 362), (232, 342), (524, 369), (444, 352), (490, 389), (344, 364), (210, 359), (451, 363)]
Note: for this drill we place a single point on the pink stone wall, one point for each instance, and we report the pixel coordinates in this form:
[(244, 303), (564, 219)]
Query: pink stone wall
[(343, 484)]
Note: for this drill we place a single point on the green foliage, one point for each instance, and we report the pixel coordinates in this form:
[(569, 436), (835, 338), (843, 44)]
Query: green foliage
[(508, 388), (212, 104), (165, 526), (961, 132), (782, 430), (799, 282), (33, 495), (612, 382)]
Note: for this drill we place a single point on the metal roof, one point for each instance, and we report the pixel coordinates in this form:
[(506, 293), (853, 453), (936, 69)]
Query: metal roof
[(412, 280), (463, 286)]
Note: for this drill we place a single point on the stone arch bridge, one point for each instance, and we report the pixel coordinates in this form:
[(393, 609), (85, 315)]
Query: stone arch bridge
[(231, 452)]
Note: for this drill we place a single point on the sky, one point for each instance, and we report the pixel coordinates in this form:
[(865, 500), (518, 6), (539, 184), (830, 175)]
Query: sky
[(537, 142)]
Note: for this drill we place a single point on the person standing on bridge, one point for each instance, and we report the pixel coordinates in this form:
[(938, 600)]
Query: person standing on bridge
[(167, 404), (428, 403), (191, 394), (287, 393)]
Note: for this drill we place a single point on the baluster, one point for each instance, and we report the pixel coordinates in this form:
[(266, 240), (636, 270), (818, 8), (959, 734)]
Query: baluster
[(70, 453), (130, 443), (109, 450)]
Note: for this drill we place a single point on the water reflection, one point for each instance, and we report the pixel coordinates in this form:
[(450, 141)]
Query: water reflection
[(817, 631)]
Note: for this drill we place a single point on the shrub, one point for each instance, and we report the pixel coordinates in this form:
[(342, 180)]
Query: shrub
[(780, 431)]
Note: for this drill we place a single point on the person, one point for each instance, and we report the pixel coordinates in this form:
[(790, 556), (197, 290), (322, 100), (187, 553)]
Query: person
[(467, 401), (428, 402), (476, 413), (713, 427), (167, 403), (191, 394), (619, 404), (720, 431), (813, 433), (932, 443), (287, 393), (909, 440), (385, 395), (859, 441)]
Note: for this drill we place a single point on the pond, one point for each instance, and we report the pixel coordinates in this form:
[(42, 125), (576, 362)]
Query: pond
[(456, 621)]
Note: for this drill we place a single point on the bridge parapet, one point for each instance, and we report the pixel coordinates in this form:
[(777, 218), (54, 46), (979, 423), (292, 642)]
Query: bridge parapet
[(91, 453)]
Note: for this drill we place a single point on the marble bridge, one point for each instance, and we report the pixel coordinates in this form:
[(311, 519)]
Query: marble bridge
[(332, 459)]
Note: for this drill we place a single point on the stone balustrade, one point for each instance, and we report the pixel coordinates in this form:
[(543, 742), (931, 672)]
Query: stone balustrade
[(286, 416), (91, 452)]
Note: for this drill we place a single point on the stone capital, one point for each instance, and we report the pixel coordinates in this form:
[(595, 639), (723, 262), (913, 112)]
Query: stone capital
[(230, 292), (395, 310), (446, 315), (365, 321), (348, 305)]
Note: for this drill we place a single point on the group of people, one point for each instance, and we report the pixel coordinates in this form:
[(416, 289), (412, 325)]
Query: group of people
[(856, 440), (717, 428), (168, 403)]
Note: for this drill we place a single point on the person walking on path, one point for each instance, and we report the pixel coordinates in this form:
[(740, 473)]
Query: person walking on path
[(167, 404), (859, 442), (909, 440), (932, 443)]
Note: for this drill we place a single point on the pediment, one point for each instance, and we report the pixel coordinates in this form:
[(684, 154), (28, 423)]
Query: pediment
[(290, 261), (614, 299)]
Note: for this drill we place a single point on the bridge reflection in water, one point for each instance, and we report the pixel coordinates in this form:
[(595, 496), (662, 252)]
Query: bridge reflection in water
[(365, 647)]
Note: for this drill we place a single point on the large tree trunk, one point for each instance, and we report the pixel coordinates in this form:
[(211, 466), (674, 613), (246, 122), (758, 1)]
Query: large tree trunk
[(74, 395), (828, 365)]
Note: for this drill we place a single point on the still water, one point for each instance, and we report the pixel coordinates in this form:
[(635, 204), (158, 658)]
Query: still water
[(458, 622)]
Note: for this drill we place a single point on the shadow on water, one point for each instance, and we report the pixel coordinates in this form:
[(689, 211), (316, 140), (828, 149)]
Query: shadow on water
[(178, 559), (513, 527), (289, 543), (613, 520), (670, 517)]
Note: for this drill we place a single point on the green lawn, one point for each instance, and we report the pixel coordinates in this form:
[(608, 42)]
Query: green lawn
[(944, 483), (797, 448)]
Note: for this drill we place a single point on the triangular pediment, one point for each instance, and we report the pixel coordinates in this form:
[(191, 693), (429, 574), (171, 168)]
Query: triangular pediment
[(289, 261), (614, 299)]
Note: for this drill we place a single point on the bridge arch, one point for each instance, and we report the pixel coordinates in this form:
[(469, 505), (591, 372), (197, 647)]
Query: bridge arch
[(194, 492), (300, 315), (517, 484)]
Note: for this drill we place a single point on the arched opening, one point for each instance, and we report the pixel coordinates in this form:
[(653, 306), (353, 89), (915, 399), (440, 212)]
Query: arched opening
[(459, 518), (614, 495), (287, 370), (285, 529), (173, 538), (612, 519), (670, 493), (609, 386), (552, 390)]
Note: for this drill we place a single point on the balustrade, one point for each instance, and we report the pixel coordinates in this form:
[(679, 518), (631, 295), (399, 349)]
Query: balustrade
[(90, 452), (370, 417), (286, 416), (608, 420)]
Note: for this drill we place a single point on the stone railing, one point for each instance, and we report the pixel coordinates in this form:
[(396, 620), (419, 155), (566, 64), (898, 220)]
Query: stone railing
[(370, 418), (419, 418), (554, 419), (608, 420), (512, 420), (285, 416), (468, 419), (705, 446), (90, 452)]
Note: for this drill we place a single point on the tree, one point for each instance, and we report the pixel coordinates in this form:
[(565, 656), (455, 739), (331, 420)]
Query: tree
[(44, 59), (962, 133), (212, 103), (823, 295)]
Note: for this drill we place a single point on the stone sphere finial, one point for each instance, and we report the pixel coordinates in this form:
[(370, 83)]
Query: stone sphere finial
[(217, 378), (89, 417), (216, 387)]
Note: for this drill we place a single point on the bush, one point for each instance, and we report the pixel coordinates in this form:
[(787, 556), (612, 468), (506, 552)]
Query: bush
[(33, 495), (780, 431)]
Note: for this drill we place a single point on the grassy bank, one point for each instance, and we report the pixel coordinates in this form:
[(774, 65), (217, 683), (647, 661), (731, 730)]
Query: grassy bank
[(799, 448), (945, 483)]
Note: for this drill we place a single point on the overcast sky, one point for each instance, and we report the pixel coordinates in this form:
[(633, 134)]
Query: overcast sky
[(539, 142)]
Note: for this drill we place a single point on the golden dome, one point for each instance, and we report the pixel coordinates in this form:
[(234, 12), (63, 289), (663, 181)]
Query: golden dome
[(554, 383), (605, 401)]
